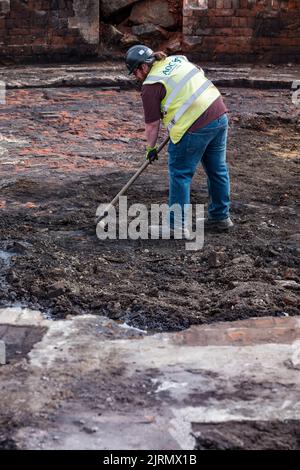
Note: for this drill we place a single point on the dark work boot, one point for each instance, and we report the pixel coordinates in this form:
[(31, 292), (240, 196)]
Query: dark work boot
[(218, 225)]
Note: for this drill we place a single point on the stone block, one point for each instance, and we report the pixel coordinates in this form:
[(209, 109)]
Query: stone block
[(153, 11), (110, 7), (204, 32), (87, 14), (149, 30), (191, 42), (111, 34), (173, 44), (196, 4), (2, 353)]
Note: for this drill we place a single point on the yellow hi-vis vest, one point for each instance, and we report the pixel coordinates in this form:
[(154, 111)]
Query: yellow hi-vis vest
[(188, 93)]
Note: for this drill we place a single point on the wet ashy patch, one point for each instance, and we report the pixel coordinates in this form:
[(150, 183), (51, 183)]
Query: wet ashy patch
[(5, 257), (19, 340)]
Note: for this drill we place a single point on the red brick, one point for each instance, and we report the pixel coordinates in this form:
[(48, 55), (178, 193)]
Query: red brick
[(41, 41), (37, 33), (11, 24), (235, 22), (57, 41), (250, 22), (222, 48), (243, 23), (40, 49), (244, 12), (286, 42), (220, 22), (18, 40), (293, 34), (71, 40), (16, 15), (19, 51), (245, 32), (209, 42), (17, 32), (224, 32)]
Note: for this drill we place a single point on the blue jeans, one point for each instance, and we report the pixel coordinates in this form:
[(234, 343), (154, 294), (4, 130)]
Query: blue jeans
[(208, 146)]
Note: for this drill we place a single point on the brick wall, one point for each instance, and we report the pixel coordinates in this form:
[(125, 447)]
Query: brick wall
[(53, 29), (222, 30), (242, 30)]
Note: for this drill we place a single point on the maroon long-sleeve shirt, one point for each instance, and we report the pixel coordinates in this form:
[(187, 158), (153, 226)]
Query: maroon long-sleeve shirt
[(152, 95)]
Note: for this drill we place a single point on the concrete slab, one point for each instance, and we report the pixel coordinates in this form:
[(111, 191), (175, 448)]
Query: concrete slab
[(20, 316), (109, 387), (2, 353)]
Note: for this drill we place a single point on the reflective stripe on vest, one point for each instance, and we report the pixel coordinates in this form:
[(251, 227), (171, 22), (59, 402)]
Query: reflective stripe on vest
[(188, 93), (188, 103), (178, 88), (155, 79)]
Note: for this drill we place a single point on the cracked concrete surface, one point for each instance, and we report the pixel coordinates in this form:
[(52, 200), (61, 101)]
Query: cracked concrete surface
[(90, 383)]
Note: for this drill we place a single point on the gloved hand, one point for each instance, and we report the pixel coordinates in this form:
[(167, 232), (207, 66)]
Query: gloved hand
[(151, 154)]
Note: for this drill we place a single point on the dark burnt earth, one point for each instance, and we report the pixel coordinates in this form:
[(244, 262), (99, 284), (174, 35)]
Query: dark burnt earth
[(66, 150)]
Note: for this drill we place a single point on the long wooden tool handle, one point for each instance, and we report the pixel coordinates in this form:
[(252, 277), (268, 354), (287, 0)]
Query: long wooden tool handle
[(131, 181)]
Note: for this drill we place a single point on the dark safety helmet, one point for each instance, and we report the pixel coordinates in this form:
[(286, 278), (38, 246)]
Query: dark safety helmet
[(138, 55)]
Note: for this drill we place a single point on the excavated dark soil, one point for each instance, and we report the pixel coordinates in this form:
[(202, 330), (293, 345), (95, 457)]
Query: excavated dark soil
[(256, 435), (67, 150)]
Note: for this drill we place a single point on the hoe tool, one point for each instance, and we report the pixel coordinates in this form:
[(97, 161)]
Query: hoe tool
[(99, 218)]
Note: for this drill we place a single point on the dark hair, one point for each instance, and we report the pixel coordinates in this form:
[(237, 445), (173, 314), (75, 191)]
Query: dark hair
[(160, 55)]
